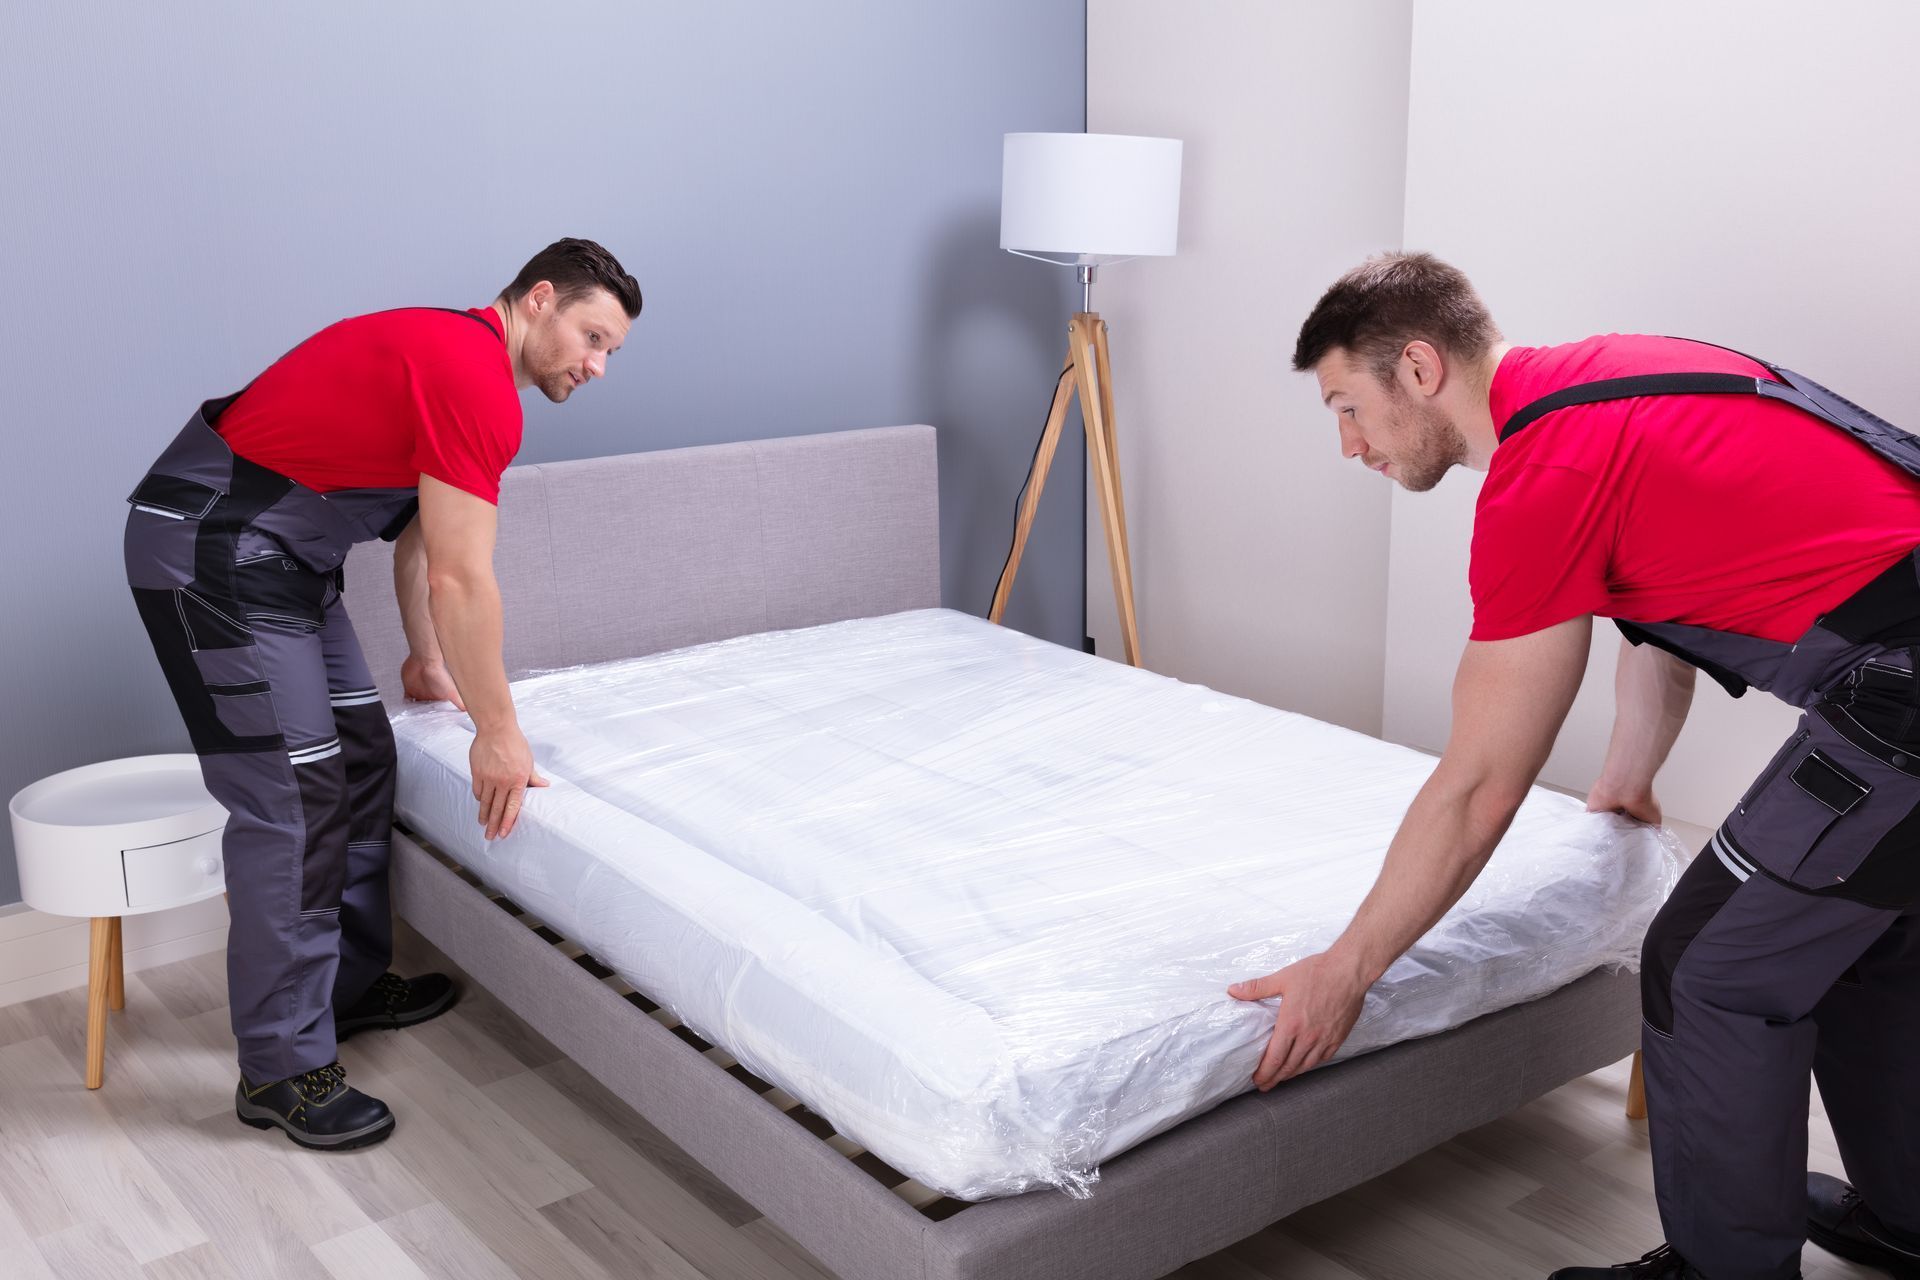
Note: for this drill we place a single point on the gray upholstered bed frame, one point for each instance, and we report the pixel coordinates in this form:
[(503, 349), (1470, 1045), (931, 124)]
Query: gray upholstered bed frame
[(618, 557)]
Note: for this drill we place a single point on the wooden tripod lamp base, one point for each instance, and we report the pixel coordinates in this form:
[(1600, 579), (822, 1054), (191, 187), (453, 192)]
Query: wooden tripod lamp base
[(1085, 373)]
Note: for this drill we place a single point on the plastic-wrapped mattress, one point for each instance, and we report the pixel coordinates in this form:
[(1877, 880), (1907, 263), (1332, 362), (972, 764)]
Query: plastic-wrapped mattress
[(976, 898)]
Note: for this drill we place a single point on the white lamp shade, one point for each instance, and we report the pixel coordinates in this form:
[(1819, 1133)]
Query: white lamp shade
[(1094, 196)]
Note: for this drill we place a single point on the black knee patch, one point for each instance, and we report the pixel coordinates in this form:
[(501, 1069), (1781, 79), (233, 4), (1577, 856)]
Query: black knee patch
[(323, 804), (1702, 891), (366, 742)]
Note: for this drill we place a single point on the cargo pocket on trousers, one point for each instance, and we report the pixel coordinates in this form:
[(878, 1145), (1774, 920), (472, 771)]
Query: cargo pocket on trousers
[(170, 496), (277, 590), (240, 698), (1821, 817), (159, 550), (247, 712)]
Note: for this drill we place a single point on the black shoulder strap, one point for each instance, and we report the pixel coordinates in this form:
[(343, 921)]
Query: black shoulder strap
[(1648, 384), (479, 320), (452, 311), (212, 409)]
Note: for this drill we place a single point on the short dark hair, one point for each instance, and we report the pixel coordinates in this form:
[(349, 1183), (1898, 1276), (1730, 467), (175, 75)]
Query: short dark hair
[(1392, 299), (575, 268)]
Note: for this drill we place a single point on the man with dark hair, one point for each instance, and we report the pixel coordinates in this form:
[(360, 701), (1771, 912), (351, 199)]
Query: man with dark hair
[(1732, 517), (395, 425)]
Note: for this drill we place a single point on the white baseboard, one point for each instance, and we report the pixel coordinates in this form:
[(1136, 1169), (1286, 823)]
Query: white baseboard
[(41, 954)]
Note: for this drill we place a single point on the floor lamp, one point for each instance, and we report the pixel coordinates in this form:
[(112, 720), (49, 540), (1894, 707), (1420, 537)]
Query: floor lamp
[(1086, 200)]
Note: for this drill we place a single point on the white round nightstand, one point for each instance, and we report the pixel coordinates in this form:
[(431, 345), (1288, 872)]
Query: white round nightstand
[(116, 839)]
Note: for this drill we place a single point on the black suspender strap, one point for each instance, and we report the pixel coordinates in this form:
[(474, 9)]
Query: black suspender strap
[(455, 311), (1650, 384), (212, 409), (452, 311)]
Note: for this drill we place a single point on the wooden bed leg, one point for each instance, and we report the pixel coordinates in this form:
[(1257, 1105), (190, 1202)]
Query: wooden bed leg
[(1637, 1090)]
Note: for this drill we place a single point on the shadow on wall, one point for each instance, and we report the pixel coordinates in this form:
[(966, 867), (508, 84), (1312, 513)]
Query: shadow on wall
[(992, 330)]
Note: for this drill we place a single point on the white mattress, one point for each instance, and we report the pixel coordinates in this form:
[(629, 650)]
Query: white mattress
[(976, 898)]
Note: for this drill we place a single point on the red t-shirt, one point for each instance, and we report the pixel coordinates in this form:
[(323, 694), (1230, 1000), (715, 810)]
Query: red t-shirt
[(1726, 511), (377, 401)]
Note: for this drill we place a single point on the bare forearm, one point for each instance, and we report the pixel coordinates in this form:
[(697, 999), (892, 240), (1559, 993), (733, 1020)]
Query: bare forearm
[(1652, 694), (410, 590), (1449, 833), (1509, 699), (467, 619)]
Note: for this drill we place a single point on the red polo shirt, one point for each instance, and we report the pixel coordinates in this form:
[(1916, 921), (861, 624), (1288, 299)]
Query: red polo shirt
[(377, 401), (1726, 511)]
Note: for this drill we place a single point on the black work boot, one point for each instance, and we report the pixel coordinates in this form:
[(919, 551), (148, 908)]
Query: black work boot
[(1840, 1222), (317, 1108), (1661, 1264), (393, 1002)]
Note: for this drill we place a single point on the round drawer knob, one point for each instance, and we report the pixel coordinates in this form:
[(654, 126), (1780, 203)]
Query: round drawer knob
[(206, 866)]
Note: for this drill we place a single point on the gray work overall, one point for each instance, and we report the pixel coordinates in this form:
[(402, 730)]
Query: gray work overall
[(236, 573), (1791, 947)]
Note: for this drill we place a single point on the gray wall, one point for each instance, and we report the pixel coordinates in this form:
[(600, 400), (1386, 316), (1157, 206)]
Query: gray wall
[(807, 193)]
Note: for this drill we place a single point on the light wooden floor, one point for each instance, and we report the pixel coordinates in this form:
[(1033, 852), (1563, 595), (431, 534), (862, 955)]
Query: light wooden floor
[(510, 1162)]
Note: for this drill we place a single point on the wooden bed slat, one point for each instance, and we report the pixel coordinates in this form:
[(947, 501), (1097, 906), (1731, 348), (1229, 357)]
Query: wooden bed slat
[(930, 1203)]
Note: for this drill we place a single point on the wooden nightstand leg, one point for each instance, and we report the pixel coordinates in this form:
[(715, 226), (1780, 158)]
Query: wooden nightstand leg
[(117, 973), (1637, 1091), (99, 960)]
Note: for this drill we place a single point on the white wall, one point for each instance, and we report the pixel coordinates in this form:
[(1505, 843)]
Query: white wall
[(1743, 173), (1260, 559)]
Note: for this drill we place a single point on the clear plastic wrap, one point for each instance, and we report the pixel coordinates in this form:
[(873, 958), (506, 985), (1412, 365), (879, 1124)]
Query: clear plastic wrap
[(977, 898)]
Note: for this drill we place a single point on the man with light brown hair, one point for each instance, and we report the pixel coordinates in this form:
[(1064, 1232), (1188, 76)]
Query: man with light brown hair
[(395, 425), (1732, 517)]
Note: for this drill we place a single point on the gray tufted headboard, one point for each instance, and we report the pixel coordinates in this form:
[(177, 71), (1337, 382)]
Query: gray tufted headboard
[(609, 558)]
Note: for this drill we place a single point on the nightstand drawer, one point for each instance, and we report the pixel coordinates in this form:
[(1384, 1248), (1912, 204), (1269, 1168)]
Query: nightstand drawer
[(163, 875)]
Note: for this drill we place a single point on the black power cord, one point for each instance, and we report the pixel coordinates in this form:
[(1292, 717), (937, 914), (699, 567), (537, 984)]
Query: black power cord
[(1033, 464)]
